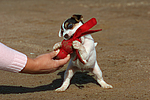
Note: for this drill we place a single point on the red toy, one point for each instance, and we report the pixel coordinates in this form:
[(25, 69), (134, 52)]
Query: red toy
[(67, 47)]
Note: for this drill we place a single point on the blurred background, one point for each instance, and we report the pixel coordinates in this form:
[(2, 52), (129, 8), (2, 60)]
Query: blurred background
[(123, 50)]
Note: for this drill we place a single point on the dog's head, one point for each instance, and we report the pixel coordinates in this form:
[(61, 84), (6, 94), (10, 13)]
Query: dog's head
[(69, 27)]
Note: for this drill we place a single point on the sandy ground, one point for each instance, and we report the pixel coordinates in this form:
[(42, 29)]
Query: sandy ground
[(123, 50)]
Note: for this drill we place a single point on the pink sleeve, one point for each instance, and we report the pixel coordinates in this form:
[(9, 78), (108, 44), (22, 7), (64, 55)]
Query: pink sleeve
[(11, 60)]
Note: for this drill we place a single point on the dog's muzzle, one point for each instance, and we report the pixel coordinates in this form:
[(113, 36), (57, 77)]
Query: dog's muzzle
[(66, 36)]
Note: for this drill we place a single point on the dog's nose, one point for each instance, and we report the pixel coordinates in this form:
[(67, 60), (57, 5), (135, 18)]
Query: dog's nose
[(66, 35)]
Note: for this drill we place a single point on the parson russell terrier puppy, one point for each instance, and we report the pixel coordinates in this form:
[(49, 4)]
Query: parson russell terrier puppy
[(86, 49)]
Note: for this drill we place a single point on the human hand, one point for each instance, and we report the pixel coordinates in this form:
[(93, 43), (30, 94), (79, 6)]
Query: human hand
[(44, 64)]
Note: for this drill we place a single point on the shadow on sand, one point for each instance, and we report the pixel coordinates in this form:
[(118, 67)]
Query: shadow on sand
[(78, 79)]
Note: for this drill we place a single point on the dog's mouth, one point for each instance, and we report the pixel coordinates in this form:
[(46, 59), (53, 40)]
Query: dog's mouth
[(71, 36)]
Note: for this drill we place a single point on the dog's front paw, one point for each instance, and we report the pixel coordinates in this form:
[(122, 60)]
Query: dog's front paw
[(57, 46), (77, 45)]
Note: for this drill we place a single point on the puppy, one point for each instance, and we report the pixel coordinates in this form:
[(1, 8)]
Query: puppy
[(86, 50)]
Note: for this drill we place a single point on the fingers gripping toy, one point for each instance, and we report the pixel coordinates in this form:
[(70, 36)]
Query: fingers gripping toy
[(67, 47)]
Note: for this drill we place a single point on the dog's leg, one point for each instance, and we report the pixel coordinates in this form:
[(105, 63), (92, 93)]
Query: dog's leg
[(98, 73), (67, 77), (81, 49), (57, 46)]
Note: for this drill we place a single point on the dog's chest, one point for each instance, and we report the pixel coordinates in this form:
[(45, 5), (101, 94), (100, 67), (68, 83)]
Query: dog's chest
[(78, 63)]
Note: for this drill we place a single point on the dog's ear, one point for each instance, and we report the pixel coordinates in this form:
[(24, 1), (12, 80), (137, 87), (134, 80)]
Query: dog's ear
[(78, 18), (60, 33)]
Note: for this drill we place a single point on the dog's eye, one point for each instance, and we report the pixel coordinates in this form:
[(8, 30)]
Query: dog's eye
[(70, 26)]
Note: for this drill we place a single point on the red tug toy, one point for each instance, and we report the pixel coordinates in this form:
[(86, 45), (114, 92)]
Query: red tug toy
[(67, 47)]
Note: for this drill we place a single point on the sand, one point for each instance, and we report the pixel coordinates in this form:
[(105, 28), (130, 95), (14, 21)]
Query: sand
[(123, 50)]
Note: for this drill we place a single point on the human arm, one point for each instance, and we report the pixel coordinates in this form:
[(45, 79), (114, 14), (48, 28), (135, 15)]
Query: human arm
[(14, 61), (44, 64)]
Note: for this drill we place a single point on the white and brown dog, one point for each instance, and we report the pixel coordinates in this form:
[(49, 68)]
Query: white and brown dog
[(86, 50)]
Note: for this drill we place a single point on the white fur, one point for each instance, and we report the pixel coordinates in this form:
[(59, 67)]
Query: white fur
[(88, 54)]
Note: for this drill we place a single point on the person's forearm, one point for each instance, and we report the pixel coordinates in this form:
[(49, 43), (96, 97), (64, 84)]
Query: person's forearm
[(34, 67), (30, 67), (14, 61), (11, 60)]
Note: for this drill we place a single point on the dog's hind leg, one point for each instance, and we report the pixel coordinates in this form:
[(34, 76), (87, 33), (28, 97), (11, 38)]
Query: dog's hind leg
[(67, 77), (98, 73)]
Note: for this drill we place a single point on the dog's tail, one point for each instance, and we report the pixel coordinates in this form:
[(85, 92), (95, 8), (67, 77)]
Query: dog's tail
[(95, 44)]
